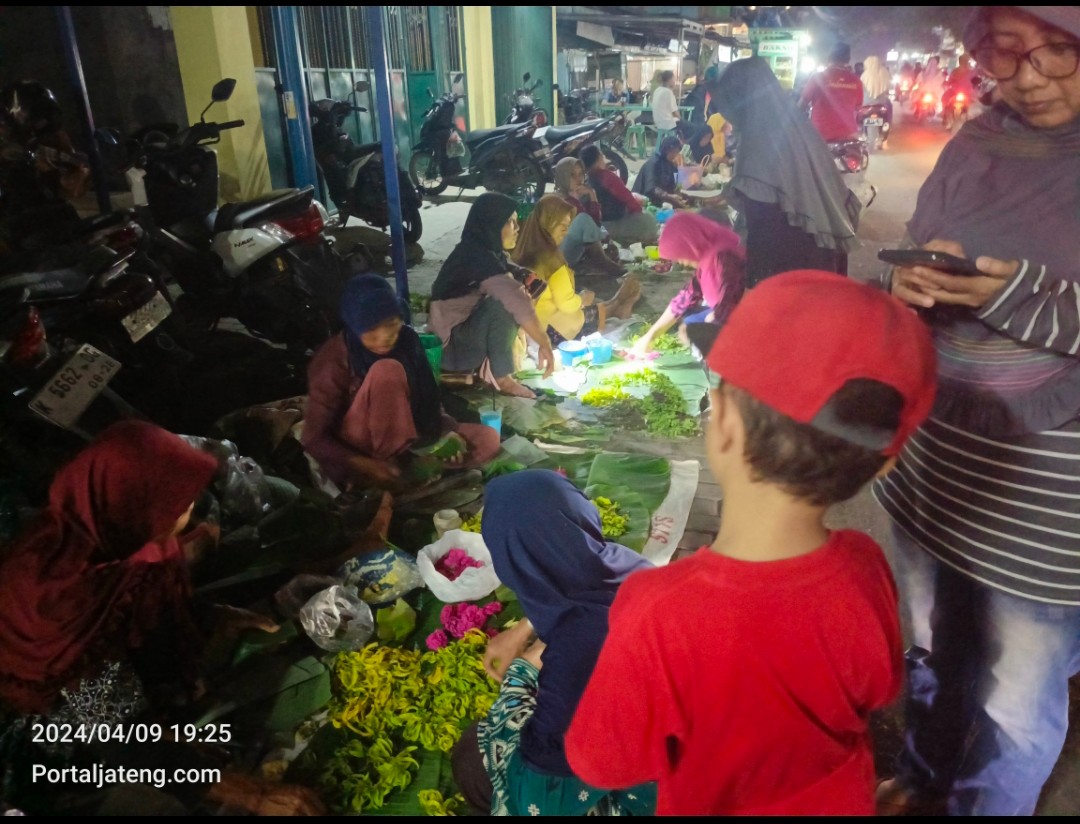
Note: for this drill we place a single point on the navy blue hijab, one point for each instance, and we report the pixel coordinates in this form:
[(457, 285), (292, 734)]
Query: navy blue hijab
[(547, 545), (368, 301)]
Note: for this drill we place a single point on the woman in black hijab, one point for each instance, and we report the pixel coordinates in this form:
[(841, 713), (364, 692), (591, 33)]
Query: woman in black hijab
[(658, 176), (478, 303)]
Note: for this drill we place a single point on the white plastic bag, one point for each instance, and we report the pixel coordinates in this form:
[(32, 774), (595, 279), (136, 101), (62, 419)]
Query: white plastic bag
[(337, 620), (473, 583)]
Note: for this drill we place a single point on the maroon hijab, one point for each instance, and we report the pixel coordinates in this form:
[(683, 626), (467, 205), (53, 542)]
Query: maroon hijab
[(96, 574)]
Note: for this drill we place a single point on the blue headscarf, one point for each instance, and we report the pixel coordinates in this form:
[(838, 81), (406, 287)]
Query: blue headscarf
[(368, 301), (547, 545)]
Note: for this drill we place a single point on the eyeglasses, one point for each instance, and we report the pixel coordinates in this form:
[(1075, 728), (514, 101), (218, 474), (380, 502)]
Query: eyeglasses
[(1053, 60)]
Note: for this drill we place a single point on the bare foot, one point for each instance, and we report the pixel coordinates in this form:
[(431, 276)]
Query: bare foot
[(509, 386), (622, 304)]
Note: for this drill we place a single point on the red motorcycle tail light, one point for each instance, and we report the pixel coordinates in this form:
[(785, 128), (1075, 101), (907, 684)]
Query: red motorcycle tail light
[(28, 344), (960, 97), (307, 228), (927, 98), (853, 163), (540, 119)]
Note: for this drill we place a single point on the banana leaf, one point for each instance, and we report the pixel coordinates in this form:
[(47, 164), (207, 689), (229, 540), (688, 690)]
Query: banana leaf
[(434, 773), (649, 476), (630, 504)]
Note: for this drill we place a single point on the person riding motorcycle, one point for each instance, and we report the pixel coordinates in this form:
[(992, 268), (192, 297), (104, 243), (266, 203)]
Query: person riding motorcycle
[(833, 96)]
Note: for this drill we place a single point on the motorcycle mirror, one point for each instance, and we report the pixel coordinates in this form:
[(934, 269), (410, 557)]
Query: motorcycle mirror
[(106, 137), (458, 78), (430, 93), (222, 90), (361, 86), (528, 77)]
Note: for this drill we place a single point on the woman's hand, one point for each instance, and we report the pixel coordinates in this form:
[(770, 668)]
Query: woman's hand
[(458, 457), (363, 469), (533, 653), (926, 287), (505, 647), (545, 358), (258, 796), (642, 346)]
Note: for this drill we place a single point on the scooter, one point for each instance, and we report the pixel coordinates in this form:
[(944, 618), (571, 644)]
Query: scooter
[(924, 106), (954, 108), (265, 261), (354, 175), (500, 159), (523, 104), (872, 120)]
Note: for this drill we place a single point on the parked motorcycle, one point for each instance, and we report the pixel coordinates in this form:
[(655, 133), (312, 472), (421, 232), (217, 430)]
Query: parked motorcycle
[(354, 175), (500, 159), (65, 334), (557, 143), (577, 106), (265, 261), (523, 104), (872, 120)]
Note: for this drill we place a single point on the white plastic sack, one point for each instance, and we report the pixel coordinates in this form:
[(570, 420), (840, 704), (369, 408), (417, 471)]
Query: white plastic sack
[(337, 620), (473, 583)]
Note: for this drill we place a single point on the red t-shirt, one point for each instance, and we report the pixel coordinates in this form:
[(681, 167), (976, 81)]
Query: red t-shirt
[(743, 687), (835, 95)]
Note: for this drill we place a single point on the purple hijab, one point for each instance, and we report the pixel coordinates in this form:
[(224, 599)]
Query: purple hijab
[(547, 546)]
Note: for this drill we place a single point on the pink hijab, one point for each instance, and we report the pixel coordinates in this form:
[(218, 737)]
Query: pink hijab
[(688, 236)]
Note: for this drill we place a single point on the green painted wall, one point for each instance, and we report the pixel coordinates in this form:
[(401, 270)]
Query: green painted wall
[(523, 41)]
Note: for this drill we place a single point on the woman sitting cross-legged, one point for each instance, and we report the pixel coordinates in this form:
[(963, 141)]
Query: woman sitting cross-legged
[(565, 313), (372, 396), (658, 177), (621, 209), (553, 555), (719, 260), (478, 303)]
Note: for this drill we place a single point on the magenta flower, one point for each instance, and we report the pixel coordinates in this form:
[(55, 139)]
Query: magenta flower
[(437, 640), (455, 562)]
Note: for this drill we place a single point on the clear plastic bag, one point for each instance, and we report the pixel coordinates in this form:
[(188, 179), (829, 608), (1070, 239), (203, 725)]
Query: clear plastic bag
[(337, 620)]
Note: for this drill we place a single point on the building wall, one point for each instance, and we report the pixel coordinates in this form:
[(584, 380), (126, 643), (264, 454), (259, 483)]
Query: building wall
[(524, 41), (479, 66), (214, 42)]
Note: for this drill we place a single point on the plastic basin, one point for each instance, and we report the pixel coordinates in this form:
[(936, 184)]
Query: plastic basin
[(570, 351), (601, 350)]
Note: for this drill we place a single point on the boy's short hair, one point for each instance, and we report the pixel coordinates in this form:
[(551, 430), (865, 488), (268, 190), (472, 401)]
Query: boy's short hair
[(589, 155), (843, 361), (666, 76), (841, 53), (807, 463)]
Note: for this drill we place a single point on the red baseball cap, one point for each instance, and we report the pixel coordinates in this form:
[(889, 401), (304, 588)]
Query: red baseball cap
[(796, 338)]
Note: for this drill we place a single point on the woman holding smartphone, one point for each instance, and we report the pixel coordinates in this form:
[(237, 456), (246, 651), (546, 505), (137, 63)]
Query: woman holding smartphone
[(986, 497)]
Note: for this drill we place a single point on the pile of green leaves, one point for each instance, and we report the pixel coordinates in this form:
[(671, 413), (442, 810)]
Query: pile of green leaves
[(395, 702), (661, 412), (665, 344), (419, 303)]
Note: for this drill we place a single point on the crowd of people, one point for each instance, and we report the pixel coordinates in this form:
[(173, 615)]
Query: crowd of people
[(740, 680)]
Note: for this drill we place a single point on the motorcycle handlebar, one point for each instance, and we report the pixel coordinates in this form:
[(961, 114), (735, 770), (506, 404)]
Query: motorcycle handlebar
[(231, 124)]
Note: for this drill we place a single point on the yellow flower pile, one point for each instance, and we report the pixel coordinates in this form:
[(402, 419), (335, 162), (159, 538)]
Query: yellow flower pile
[(614, 524), (396, 700), (472, 524)]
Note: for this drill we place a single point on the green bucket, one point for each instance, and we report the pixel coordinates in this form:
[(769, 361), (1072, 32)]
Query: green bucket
[(433, 350)]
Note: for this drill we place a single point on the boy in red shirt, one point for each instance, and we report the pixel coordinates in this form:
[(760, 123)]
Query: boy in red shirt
[(834, 96), (742, 678)]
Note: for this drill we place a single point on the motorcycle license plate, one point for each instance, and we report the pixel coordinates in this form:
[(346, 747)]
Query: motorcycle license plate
[(147, 317), (67, 394), (874, 121)]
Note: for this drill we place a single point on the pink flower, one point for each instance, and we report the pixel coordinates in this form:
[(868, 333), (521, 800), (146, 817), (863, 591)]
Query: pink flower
[(437, 640), (455, 562), (460, 618), (494, 608)]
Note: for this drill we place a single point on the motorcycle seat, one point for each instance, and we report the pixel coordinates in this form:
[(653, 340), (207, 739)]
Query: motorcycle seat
[(472, 138), (242, 214), (34, 287), (557, 134)]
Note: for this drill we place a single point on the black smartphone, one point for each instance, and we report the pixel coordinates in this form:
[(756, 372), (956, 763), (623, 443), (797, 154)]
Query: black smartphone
[(934, 260)]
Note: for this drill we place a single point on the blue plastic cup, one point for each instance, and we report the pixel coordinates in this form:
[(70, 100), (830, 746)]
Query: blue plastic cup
[(492, 418), (601, 350)]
